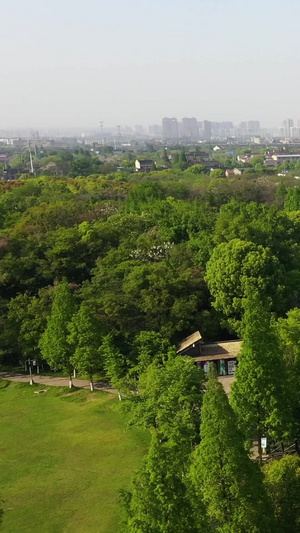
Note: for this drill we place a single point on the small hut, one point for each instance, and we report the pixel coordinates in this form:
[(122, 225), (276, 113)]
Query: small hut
[(223, 354)]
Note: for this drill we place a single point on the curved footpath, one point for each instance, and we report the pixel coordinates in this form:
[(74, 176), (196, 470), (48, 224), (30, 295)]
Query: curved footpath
[(56, 381)]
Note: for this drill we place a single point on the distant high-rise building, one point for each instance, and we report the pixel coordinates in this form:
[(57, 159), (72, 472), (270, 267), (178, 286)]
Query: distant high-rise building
[(205, 129), (226, 125), (294, 132), (155, 130), (189, 128), (139, 129), (243, 129), (253, 126), (170, 128), (221, 129), (286, 125)]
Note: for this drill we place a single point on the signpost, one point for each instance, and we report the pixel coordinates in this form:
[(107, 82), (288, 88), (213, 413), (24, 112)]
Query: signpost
[(263, 442)]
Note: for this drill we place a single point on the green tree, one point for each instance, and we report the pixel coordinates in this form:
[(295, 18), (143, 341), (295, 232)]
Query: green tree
[(29, 315), (282, 481), (222, 472), (54, 344), (257, 163), (182, 156), (143, 194), (159, 501), (262, 225), (175, 159), (169, 400), (280, 195), (114, 362), (85, 337), (292, 200), (180, 161), (84, 165), (149, 346), (248, 221), (165, 157), (289, 333), (237, 265), (259, 395), (217, 173), (197, 169)]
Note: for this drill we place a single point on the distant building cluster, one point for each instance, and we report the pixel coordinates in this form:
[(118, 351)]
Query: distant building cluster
[(192, 129), (187, 131), (288, 129)]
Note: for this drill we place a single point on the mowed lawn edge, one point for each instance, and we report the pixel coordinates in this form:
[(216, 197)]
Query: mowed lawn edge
[(63, 458)]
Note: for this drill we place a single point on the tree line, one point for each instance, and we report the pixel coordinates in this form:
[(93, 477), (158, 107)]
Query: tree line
[(200, 474)]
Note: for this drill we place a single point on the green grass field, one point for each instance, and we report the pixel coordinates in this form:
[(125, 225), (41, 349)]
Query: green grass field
[(63, 458)]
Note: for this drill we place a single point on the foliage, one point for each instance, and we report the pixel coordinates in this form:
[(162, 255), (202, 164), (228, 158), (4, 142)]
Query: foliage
[(280, 195), (149, 346), (292, 200), (28, 317), (54, 344), (85, 337), (282, 481), (85, 166), (169, 400), (260, 224), (159, 501), (289, 333), (238, 267), (197, 169), (223, 474), (260, 395), (217, 173), (114, 362)]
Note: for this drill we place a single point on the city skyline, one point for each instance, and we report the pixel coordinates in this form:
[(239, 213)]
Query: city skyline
[(185, 127)]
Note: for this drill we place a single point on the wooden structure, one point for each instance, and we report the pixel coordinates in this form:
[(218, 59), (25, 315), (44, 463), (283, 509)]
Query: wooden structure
[(221, 353)]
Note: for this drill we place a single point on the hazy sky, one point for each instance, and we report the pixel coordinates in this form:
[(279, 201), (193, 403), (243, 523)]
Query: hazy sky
[(75, 63)]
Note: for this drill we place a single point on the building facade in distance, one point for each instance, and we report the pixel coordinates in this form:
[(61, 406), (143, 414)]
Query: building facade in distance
[(170, 128), (189, 128)]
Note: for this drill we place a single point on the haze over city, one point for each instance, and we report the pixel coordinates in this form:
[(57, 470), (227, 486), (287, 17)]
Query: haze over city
[(69, 64)]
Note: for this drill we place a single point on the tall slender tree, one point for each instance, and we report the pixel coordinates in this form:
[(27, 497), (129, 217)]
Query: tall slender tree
[(114, 363), (159, 501), (169, 402), (85, 337), (289, 333), (54, 344), (222, 472), (260, 396)]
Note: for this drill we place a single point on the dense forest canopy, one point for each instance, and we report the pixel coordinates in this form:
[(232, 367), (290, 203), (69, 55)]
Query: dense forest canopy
[(168, 252)]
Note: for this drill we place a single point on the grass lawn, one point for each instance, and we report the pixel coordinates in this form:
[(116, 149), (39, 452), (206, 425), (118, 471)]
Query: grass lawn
[(63, 458)]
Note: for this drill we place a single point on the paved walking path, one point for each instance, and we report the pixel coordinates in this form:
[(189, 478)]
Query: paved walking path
[(56, 381), (226, 382), (83, 383)]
